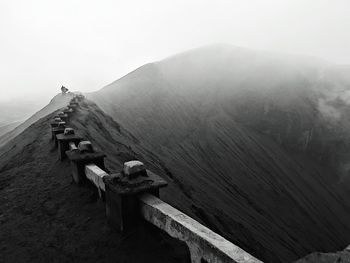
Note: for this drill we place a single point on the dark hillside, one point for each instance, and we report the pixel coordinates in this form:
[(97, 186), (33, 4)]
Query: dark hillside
[(259, 141), (334, 257), (44, 217)]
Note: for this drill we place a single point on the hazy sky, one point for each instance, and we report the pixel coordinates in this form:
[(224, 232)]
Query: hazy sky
[(87, 44)]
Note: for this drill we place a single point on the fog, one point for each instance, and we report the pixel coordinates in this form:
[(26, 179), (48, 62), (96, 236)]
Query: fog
[(85, 44)]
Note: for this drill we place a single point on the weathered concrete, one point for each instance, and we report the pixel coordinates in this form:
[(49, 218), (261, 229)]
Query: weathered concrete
[(85, 146), (63, 143), (95, 174), (63, 116), (73, 105), (67, 111), (70, 109), (79, 97), (69, 131), (55, 122), (123, 185), (80, 159), (347, 248), (122, 204), (203, 243), (133, 169), (58, 130), (72, 146)]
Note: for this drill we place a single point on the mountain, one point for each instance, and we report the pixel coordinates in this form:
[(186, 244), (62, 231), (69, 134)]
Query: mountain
[(258, 141), (57, 102), (45, 217), (16, 111), (5, 127)]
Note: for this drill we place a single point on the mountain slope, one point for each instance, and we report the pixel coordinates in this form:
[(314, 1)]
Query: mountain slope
[(6, 127), (44, 217), (317, 257), (57, 102), (258, 141), (17, 110)]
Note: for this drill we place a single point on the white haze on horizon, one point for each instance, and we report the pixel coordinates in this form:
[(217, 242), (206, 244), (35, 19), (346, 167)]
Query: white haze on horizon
[(85, 44)]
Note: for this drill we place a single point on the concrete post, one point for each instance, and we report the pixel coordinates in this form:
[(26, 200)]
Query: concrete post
[(122, 190), (55, 122), (63, 140), (58, 130), (82, 156), (63, 116), (69, 110), (73, 105), (196, 256)]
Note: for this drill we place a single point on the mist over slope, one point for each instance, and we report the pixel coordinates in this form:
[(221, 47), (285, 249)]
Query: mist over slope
[(17, 110), (8, 126), (45, 217), (57, 102), (259, 141)]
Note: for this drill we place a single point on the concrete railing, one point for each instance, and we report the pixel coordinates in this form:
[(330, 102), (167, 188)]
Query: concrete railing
[(203, 243), (133, 195), (95, 174), (72, 146)]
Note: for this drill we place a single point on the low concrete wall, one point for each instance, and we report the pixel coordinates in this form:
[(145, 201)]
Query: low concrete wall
[(95, 174), (203, 243)]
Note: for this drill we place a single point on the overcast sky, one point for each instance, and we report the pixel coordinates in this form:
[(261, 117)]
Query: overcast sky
[(85, 44)]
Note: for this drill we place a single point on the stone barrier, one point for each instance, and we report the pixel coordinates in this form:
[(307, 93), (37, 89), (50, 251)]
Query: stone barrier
[(133, 195), (80, 157), (203, 243)]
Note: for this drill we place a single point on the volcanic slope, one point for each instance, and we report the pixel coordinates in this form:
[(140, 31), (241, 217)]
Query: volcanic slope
[(259, 141), (57, 102), (317, 257), (5, 128), (44, 217)]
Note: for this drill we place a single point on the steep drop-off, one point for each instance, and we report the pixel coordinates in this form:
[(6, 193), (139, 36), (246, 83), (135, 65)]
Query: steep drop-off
[(259, 142)]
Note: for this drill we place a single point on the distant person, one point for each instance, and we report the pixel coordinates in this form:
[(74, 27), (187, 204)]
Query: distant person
[(64, 90)]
